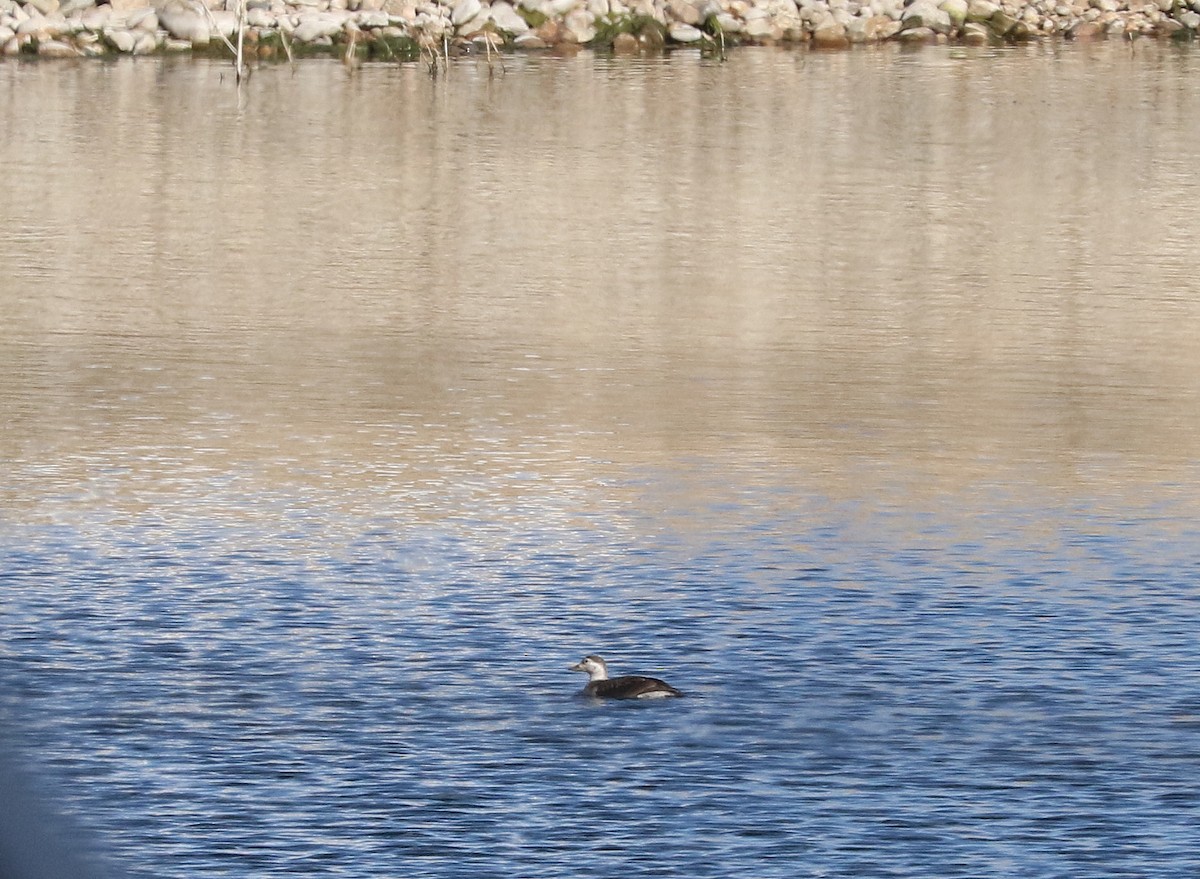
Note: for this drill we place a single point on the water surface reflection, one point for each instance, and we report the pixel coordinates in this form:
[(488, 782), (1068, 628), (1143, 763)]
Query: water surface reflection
[(855, 392)]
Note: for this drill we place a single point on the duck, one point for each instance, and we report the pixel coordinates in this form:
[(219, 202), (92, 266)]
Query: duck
[(601, 686)]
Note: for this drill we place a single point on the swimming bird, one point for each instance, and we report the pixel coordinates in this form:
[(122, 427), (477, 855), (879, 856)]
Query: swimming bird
[(601, 686)]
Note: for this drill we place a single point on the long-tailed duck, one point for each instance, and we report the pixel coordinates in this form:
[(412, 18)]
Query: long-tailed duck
[(601, 686)]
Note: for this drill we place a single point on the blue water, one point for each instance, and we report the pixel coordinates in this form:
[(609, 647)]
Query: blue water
[(855, 394), (873, 689)]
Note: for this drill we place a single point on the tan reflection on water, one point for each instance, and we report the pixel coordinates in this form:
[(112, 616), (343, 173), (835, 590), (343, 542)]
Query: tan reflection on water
[(963, 264)]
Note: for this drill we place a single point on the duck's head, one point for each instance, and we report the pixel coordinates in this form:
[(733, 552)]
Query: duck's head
[(596, 668)]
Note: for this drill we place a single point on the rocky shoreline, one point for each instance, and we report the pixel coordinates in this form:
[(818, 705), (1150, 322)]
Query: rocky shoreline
[(436, 29)]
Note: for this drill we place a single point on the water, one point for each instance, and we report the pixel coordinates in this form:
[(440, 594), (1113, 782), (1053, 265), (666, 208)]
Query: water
[(854, 394)]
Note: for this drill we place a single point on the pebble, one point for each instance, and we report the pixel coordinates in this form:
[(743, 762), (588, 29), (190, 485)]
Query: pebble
[(71, 28)]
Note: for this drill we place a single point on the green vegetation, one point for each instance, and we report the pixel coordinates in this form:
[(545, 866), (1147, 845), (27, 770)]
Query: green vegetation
[(645, 28)]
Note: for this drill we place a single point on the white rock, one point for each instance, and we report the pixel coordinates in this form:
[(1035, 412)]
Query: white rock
[(373, 19), (146, 43), (650, 9), (312, 26), (558, 8), (923, 13), (6, 34), (45, 7), (183, 23), (31, 25), (259, 18), (96, 17), (121, 40), (580, 25), (224, 22), (728, 23), (508, 19), (142, 19), (598, 8), (682, 10), (981, 10), (758, 28), (685, 33), (956, 9), (476, 24), (56, 49), (464, 11)]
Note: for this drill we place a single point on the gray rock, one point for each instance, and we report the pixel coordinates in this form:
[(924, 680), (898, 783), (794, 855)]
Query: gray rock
[(981, 10), (1002, 23), (728, 23), (95, 18), (684, 33), (508, 19), (923, 14), (1190, 20), (71, 7), (464, 11), (882, 27), (121, 40), (580, 25), (856, 30), (682, 10), (956, 9), (312, 27), (224, 22), (759, 29), (478, 23), (625, 44), (830, 36), (183, 22), (91, 50), (145, 19), (976, 33), (33, 25), (56, 49)]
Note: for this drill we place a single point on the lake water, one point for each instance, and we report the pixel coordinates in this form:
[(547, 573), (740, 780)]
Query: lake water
[(856, 394)]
